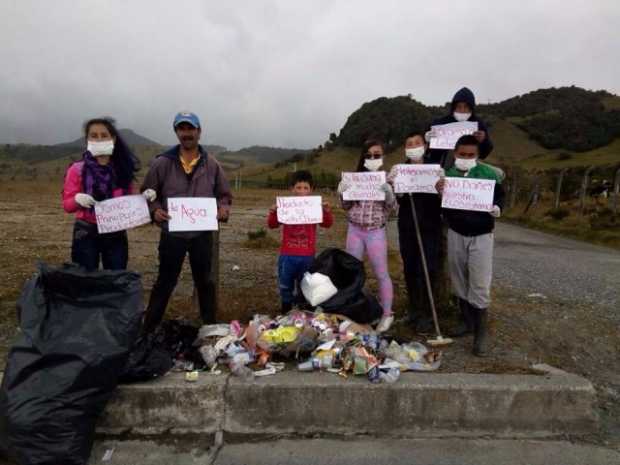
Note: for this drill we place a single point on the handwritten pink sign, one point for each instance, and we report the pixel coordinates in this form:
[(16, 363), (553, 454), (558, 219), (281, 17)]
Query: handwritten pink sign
[(415, 178), (192, 214), (468, 194), (121, 213), (364, 186), (300, 209)]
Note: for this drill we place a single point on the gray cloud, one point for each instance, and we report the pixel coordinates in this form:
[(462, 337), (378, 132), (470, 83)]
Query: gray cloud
[(279, 72)]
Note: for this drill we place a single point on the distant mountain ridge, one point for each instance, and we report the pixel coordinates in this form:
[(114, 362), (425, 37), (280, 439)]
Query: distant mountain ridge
[(260, 154), (129, 136)]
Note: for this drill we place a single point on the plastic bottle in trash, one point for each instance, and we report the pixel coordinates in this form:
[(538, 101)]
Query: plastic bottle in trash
[(390, 376), (306, 366)]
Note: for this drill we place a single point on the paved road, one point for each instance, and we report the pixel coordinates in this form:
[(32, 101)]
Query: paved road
[(449, 451), (534, 262), (556, 267)]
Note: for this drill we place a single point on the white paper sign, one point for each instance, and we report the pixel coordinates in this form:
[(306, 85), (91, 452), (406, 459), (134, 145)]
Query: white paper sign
[(364, 186), (468, 194), (300, 209), (121, 213), (446, 135), (416, 178), (192, 214)]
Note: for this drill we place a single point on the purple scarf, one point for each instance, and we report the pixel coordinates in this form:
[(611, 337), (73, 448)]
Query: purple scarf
[(98, 180)]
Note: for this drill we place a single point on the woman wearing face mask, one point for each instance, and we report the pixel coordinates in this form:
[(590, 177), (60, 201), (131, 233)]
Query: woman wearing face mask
[(428, 211), (106, 170), (366, 230)]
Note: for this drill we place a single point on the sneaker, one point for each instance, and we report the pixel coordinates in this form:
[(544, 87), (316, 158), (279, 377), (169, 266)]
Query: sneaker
[(385, 323)]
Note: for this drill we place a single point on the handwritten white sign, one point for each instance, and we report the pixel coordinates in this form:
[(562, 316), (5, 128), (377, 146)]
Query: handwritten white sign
[(468, 194), (446, 135), (121, 213), (192, 214), (416, 178), (364, 185), (300, 209)]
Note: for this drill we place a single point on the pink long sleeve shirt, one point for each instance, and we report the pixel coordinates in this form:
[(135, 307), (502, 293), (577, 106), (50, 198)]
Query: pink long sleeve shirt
[(73, 185)]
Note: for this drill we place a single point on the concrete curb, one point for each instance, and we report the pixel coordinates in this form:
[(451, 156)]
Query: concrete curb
[(419, 404)]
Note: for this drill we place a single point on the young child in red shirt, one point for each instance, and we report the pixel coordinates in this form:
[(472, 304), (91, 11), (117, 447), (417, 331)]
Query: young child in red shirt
[(298, 241)]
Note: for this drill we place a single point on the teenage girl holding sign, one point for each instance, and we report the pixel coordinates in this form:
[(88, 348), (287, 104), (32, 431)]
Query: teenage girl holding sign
[(366, 229), (106, 170)]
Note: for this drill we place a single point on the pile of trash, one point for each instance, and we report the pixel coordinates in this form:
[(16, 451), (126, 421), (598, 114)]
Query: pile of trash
[(316, 341)]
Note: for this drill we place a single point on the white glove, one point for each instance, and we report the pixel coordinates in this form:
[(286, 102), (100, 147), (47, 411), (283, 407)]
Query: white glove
[(343, 186), (428, 135), (149, 195), (389, 193), (84, 200), (495, 211)]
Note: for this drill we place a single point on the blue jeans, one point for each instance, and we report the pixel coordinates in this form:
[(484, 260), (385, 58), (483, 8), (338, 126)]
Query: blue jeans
[(89, 247), (291, 269)]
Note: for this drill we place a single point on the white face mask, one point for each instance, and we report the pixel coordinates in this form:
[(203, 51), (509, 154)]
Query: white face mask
[(464, 164), (461, 116), (105, 147), (373, 165), (416, 153)]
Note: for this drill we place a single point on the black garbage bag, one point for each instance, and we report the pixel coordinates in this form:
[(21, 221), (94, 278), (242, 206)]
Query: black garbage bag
[(76, 331), (347, 274), (154, 354), (148, 360)]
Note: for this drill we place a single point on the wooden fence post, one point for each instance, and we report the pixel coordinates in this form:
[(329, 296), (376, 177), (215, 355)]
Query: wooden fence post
[(616, 193), (534, 195), (513, 189), (215, 276), (558, 188), (584, 189)]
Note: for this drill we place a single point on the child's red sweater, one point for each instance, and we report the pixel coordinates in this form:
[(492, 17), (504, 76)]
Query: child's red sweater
[(299, 239)]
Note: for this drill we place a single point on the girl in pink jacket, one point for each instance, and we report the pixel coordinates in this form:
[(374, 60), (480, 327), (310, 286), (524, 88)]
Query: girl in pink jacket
[(107, 170)]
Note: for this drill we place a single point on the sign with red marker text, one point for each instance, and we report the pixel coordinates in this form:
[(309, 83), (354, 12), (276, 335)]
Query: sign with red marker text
[(300, 209), (120, 213), (446, 135), (192, 214), (416, 178), (364, 186), (468, 194)]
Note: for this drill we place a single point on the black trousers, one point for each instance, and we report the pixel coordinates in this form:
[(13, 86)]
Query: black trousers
[(172, 252), (419, 304), (89, 248)]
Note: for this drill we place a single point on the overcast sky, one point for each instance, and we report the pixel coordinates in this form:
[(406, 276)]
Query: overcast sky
[(282, 73)]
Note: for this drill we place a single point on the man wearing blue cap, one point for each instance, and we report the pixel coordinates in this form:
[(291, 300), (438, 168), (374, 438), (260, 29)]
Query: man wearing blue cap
[(186, 170)]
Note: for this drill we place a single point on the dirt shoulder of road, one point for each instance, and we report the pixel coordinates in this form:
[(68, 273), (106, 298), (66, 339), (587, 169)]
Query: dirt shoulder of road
[(525, 330)]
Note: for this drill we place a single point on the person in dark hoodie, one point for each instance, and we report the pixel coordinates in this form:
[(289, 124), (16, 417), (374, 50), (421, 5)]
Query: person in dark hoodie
[(463, 108), (428, 212), (470, 244), (186, 170)]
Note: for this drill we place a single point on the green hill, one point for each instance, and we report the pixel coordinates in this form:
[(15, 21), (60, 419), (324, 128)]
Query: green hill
[(557, 126)]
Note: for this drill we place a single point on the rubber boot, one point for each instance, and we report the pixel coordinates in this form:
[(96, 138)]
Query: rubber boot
[(480, 332), (466, 324)]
